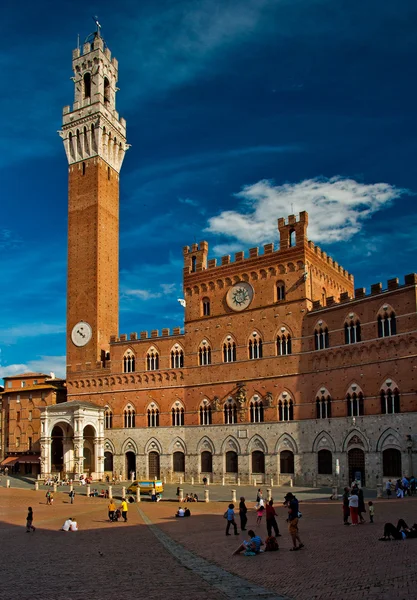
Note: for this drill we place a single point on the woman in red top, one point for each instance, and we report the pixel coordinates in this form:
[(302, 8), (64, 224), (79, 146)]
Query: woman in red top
[(271, 522)]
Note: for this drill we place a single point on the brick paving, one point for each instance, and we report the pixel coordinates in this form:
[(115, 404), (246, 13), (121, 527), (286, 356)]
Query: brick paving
[(337, 562)]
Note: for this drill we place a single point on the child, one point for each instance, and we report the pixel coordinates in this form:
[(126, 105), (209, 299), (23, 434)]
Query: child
[(29, 521), (260, 513), (371, 511)]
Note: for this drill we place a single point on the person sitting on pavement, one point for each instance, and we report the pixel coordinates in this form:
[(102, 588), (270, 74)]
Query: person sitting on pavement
[(251, 547), (73, 526), (401, 532), (187, 512), (180, 512), (66, 526)]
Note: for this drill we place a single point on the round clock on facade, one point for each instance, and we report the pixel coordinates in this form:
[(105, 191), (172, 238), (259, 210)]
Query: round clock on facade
[(239, 296), (81, 334)]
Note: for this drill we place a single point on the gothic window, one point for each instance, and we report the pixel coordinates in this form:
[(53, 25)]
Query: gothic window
[(321, 338), (177, 413), (256, 409), (178, 459), (255, 346), (153, 417), (193, 264), (352, 331), (93, 138), (390, 401), (177, 358), (204, 354), (129, 362), (87, 85), (280, 286), (293, 239), (387, 324), (152, 360), (323, 407), (71, 145), (230, 413), (354, 403), (205, 305), (129, 416), (205, 414), (229, 351), (391, 463), (285, 408), (108, 418), (79, 149), (284, 344), (324, 462), (106, 90), (206, 462)]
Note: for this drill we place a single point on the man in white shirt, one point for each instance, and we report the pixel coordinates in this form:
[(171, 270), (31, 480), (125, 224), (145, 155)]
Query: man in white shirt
[(180, 512), (66, 526), (73, 526)]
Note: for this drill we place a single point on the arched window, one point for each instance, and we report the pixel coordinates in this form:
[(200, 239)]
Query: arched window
[(205, 413), (153, 416), (230, 413), (206, 462), (152, 360), (79, 149), (284, 345), (93, 139), (258, 462), (280, 287), (387, 324), (204, 354), (292, 239), (229, 351), (205, 306), (390, 401), (128, 362), (323, 405), (71, 145), (129, 416), (391, 463), (255, 346), (177, 358), (193, 264), (324, 462), (231, 462), (178, 460), (256, 408), (352, 331), (354, 403), (108, 418), (321, 338), (106, 90), (87, 85), (286, 461), (285, 408), (108, 462), (177, 413)]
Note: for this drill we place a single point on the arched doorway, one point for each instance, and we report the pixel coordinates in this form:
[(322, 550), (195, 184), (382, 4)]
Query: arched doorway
[(178, 460), (231, 462), (206, 462), (130, 464), (57, 450), (258, 462), (154, 467), (108, 462), (356, 462), (391, 463), (286, 462), (89, 435)]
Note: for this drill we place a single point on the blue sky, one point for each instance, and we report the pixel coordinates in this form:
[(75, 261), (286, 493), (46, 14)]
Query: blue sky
[(236, 111)]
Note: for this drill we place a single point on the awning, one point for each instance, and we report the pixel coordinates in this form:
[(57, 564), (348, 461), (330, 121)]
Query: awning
[(9, 461), (34, 460)]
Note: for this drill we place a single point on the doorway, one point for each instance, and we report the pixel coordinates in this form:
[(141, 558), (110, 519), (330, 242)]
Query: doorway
[(154, 467), (356, 462), (130, 464), (57, 450)]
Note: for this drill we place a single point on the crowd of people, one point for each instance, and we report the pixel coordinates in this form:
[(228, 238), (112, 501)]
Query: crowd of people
[(402, 487)]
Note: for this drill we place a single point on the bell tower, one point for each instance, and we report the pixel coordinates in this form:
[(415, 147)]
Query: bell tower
[(95, 143)]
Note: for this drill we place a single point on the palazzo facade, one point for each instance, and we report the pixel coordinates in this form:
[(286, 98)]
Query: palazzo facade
[(282, 370)]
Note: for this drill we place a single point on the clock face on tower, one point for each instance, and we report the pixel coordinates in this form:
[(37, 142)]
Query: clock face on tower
[(239, 296), (81, 334)]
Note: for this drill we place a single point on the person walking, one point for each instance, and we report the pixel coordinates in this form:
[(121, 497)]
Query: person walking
[(353, 507), (29, 521), (123, 508), (346, 509), (243, 513), (271, 523), (230, 516), (292, 504), (111, 508), (48, 498), (388, 488), (361, 505), (71, 496)]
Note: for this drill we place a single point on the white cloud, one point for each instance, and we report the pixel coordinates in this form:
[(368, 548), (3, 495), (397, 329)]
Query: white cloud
[(44, 364), (337, 209), (142, 294), (11, 335), (168, 288), (188, 201)]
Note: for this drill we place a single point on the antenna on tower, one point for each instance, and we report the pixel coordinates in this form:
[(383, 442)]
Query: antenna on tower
[(96, 21), (78, 41)]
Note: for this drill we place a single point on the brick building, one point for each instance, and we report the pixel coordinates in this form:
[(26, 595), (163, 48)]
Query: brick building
[(21, 400), (283, 370)]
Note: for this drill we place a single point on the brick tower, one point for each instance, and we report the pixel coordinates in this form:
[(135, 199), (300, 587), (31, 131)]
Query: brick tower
[(95, 143)]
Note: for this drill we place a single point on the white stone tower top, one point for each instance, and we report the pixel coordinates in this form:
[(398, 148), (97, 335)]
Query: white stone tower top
[(93, 127)]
